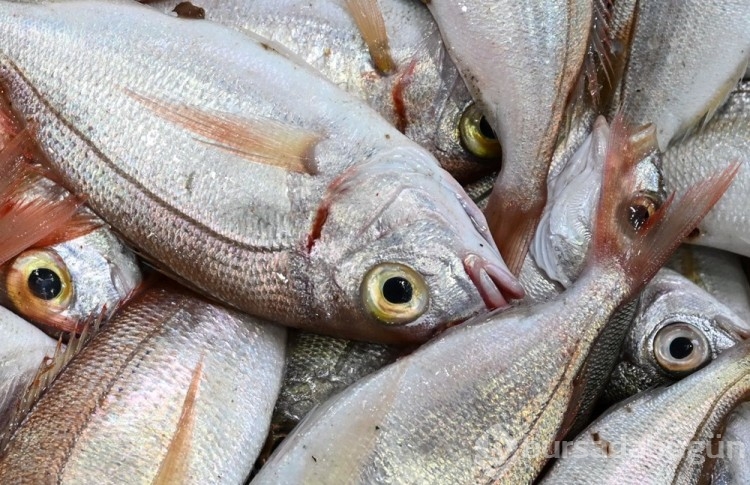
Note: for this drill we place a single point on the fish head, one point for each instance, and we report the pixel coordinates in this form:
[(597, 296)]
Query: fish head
[(448, 123), (564, 233), (404, 252), (678, 329), (66, 284)]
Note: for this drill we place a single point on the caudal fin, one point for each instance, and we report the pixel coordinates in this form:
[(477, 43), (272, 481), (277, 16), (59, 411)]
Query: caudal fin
[(641, 252)]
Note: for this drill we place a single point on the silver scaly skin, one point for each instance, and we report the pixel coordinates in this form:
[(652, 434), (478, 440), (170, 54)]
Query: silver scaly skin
[(521, 62), (438, 415), (425, 97), (678, 329), (24, 347), (170, 375), (684, 58), (290, 211), (661, 436), (724, 139)]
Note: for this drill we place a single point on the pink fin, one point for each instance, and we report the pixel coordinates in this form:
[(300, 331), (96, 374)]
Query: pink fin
[(369, 20), (642, 253), (259, 140), (80, 224)]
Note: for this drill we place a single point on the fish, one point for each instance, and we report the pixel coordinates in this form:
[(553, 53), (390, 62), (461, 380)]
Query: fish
[(685, 57), (419, 90), (724, 139), (666, 435), (498, 47), (317, 367), (474, 426), (679, 328), (24, 350), (173, 389), (319, 215), (730, 467), (717, 272)]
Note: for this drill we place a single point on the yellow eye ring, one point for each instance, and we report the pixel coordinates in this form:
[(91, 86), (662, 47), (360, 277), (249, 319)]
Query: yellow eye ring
[(680, 348), (39, 285), (477, 136), (394, 293)]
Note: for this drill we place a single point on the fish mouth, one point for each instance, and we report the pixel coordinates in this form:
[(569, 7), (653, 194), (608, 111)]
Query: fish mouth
[(495, 283)]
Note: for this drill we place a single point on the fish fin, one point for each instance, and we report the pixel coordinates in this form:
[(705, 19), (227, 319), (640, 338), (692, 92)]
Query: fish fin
[(260, 140), (48, 370), (369, 20), (24, 222), (174, 466), (80, 224), (512, 227), (641, 253)]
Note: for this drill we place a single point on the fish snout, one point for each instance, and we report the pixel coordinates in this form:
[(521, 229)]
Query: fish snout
[(494, 282)]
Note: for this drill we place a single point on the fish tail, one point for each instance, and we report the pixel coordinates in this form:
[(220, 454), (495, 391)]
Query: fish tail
[(641, 252), (512, 229)]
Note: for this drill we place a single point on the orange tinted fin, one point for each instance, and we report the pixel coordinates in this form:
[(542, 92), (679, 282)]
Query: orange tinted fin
[(369, 20), (174, 466), (642, 253), (259, 140), (512, 227), (79, 225)]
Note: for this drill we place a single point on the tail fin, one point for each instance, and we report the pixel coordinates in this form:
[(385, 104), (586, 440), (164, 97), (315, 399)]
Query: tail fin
[(640, 253)]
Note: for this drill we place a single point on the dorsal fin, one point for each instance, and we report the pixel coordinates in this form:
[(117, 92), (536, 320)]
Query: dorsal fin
[(259, 140), (174, 466), (369, 20)]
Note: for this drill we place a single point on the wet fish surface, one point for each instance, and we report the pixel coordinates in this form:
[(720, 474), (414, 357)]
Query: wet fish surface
[(423, 95), (623, 447), (257, 208), (173, 388)]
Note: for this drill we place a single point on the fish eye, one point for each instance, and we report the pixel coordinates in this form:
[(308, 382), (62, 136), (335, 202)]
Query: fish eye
[(680, 347), (641, 208), (39, 285), (394, 293), (477, 136)]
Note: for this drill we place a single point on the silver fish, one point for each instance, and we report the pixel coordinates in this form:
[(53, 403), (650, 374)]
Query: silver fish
[(732, 466), (173, 390), (661, 436), (520, 61), (24, 349), (726, 138), (685, 58), (439, 416), (678, 329), (422, 94), (300, 213), (65, 284)]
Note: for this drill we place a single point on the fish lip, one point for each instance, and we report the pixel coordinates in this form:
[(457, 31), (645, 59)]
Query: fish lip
[(495, 283)]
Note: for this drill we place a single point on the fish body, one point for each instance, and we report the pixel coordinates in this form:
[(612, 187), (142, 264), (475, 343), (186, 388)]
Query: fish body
[(294, 212), (685, 58), (114, 413), (661, 436), (486, 400), (24, 348), (521, 62), (731, 467), (724, 139), (678, 328), (424, 97)]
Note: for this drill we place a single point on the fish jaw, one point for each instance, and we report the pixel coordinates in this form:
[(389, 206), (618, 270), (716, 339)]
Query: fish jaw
[(418, 217)]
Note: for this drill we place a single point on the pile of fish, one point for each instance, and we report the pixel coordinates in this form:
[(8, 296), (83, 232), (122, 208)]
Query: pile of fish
[(374, 241)]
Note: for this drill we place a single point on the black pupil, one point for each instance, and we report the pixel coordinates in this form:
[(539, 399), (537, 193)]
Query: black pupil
[(486, 129), (638, 215), (397, 290), (45, 283), (681, 348)]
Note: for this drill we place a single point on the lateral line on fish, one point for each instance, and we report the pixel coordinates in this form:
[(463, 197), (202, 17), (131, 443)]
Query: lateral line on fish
[(370, 22), (114, 168), (261, 140), (174, 466)]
